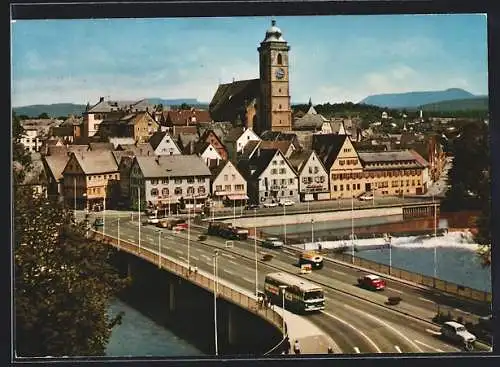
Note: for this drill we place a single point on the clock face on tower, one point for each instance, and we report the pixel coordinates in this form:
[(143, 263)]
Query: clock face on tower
[(280, 73)]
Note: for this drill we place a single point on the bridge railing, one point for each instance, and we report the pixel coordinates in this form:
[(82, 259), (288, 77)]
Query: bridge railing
[(199, 278)]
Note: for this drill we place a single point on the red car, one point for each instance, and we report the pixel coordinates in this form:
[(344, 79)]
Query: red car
[(371, 281)]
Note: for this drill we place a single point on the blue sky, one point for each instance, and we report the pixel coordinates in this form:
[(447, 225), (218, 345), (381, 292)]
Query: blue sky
[(332, 58)]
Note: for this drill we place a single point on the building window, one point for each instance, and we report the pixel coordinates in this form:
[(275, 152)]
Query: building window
[(274, 182), (282, 193), (190, 180), (275, 163), (154, 182), (304, 180), (226, 177), (178, 191), (274, 171), (341, 162), (178, 181), (291, 193), (227, 188), (201, 180), (280, 59), (190, 190), (233, 177), (266, 194), (282, 170), (154, 192), (334, 187), (218, 188), (290, 181), (341, 187), (347, 187), (201, 189), (164, 191), (239, 187), (164, 181), (413, 182)]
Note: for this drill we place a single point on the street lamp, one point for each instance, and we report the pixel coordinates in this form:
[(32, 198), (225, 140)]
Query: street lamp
[(118, 233), (189, 240), (104, 212), (74, 197), (255, 249), (284, 221), (139, 214), (283, 288), (352, 228), (169, 191), (312, 230), (216, 254), (435, 236), (159, 248)]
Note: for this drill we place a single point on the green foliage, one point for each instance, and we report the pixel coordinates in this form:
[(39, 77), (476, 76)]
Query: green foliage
[(21, 158), (185, 106), (43, 115)]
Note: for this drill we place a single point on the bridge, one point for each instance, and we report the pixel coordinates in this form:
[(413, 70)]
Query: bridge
[(354, 321)]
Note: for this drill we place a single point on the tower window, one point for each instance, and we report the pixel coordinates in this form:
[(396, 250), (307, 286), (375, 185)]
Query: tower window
[(279, 106), (280, 59)]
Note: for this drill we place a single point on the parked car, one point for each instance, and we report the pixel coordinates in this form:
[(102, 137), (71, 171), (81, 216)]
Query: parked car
[(458, 333), (270, 205), (286, 203), (273, 242), (371, 281), (366, 196), (99, 222), (252, 206)]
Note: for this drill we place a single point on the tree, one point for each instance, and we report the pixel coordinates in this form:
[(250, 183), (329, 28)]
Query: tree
[(63, 281), (43, 115), (185, 106)]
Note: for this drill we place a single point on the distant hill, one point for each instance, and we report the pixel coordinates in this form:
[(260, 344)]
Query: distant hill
[(53, 110), (415, 99), (468, 104), (65, 109)]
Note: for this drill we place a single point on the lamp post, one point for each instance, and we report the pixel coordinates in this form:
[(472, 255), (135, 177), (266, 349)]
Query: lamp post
[(390, 253), (352, 228), (283, 289), (284, 221), (435, 236), (169, 191), (216, 254), (255, 250), (212, 206), (189, 240), (234, 209), (159, 248), (104, 213), (139, 214), (74, 197), (312, 230), (118, 230)]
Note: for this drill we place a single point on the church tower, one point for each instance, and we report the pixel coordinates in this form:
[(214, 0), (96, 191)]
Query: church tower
[(274, 109)]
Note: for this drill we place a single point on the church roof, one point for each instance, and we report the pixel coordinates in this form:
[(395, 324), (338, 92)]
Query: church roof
[(231, 97)]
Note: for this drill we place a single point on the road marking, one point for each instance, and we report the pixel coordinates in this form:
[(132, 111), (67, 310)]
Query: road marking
[(336, 271), (289, 252), (131, 239), (248, 280), (227, 255), (428, 346), (433, 332), (395, 290), (206, 257), (398, 349), (372, 343), (232, 262), (228, 271), (183, 258), (389, 326), (356, 349), (194, 257), (179, 251), (425, 299)]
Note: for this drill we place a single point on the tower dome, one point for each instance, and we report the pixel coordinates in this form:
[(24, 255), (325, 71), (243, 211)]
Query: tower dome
[(273, 34)]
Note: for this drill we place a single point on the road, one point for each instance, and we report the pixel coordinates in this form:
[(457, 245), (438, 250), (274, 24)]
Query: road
[(356, 319)]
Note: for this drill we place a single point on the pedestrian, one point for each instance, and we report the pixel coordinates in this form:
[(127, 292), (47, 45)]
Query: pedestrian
[(286, 346), (296, 347)]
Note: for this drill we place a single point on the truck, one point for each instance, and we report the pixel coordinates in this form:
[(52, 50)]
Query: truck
[(227, 230), (312, 258)]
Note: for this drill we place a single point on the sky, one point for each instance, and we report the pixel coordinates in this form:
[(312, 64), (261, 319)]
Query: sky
[(332, 58)]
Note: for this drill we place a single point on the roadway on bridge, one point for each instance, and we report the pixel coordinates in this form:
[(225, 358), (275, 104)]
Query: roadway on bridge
[(358, 325)]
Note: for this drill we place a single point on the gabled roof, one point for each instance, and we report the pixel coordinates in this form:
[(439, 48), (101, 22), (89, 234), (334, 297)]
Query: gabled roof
[(215, 170), (78, 148), (298, 159), (179, 166), (249, 149), (419, 158), (186, 139), (105, 106), (119, 154), (56, 164), (95, 162), (282, 145), (186, 117), (101, 146), (176, 130), (156, 139), (231, 97), (137, 149), (258, 162), (309, 122), (327, 147), (233, 134)]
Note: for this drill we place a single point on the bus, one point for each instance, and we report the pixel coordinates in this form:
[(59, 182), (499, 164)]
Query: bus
[(312, 258), (301, 296)]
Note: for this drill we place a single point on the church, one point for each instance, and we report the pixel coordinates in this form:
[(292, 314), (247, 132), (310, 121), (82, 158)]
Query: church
[(260, 104)]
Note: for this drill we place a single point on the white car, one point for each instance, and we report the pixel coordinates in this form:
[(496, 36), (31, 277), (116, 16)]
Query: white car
[(366, 196), (458, 333), (153, 220), (270, 205), (286, 203)]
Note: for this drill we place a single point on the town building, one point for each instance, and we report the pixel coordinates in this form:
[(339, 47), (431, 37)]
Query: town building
[(163, 144), (31, 140), (169, 182), (313, 176), (229, 187)]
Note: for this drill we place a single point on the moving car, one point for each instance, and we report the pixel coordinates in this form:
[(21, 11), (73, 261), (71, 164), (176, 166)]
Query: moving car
[(371, 281), (286, 203), (270, 205), (99, 222), (312, 258), (272, 242), (458, 333), (152, 219), (366, 196)]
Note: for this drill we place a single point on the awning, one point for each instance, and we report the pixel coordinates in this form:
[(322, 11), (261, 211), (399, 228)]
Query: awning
[(237, 197)]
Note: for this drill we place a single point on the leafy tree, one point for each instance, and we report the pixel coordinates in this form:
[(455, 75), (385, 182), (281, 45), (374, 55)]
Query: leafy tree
[(63, 281), (43, 115), (185, 106)]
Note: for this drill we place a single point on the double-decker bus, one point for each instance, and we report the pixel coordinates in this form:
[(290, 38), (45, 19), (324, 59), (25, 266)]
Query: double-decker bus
[(301, 295)]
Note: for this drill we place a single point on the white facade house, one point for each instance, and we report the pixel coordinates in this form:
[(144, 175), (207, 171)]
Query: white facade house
[(163, 144), (209, 153), (166, 181), (270, 177), (30, 140), (313, 176), (248, 135), (228, 185)]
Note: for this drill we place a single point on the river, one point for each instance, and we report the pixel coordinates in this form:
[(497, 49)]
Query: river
[(139, 336)]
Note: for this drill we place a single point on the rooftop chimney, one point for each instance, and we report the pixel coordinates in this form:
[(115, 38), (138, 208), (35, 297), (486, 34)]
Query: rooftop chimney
[(101, 99)]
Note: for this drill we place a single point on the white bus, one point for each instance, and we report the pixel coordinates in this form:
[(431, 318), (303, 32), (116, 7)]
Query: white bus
[(300, 295)]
